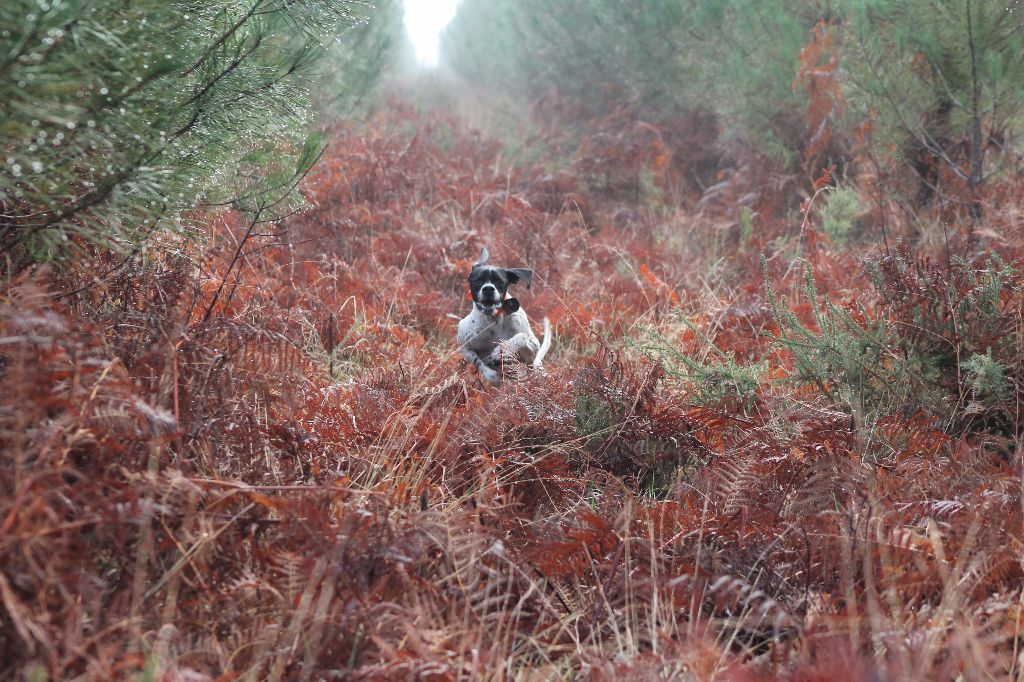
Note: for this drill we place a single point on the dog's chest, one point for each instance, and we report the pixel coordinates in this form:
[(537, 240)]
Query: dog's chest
[(482, 334)]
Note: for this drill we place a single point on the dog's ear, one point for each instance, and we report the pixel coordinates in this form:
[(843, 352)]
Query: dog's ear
[(520, 275), (484, 255)]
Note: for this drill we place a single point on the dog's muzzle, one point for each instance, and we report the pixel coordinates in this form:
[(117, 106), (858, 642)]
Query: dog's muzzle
[(508, 306), (488, 300), (488, 310)]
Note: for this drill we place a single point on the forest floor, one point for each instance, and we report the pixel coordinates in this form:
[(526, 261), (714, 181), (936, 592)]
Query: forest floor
[(754, 451)]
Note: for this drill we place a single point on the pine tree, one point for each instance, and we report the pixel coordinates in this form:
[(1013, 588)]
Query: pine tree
[(750, 58), (737, 58), (363, 55), (116, 117), (943, 81), (584, 50)]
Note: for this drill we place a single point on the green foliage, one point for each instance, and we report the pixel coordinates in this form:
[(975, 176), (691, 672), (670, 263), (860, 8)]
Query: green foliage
[(839, 214), (583, 50), (116, 117), (593, 416), (710, 379), (986, 377), (360, 57), (746, 224), (737, 58), (960, 325), (850, 359), (942, 342), (930, 340), (749, 53), (941, 80)]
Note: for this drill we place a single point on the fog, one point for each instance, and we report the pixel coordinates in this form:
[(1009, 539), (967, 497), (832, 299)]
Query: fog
[(424, 21)]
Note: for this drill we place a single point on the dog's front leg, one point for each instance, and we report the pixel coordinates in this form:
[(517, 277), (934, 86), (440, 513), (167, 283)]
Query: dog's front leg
[(522, 346), (481, 366)]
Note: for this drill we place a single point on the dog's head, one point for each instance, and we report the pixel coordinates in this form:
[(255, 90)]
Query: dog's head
[(488, 284)]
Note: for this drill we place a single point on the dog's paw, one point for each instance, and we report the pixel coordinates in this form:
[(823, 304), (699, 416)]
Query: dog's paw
[(520, 348), (491, 375), (499, 356)]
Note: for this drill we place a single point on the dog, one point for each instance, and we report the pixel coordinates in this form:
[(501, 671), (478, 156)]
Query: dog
[(496, 335)]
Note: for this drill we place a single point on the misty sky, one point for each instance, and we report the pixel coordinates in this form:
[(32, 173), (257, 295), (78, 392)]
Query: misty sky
[(424, 21)]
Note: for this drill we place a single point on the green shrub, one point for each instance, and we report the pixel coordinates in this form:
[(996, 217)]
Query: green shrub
[(939, 81), (986, 377), (736, 58), (709, 380), (839, 214), (937, 340), (116, 117), (851, 359)]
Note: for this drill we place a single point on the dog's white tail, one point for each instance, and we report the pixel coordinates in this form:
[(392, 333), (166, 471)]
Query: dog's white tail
[(544, 345)]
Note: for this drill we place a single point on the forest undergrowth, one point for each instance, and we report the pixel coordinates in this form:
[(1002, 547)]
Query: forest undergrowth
[(759, 447)]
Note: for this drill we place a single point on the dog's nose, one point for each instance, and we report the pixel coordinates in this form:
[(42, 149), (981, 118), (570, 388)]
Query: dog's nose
[(488, 290)]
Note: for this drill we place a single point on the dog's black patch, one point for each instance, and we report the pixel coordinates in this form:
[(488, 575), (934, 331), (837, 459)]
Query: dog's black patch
[(488, 274), (500, 278), (510, 305), (523, 275)]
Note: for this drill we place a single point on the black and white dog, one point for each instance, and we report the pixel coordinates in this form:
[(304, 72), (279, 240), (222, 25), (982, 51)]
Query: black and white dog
[(496, 335)]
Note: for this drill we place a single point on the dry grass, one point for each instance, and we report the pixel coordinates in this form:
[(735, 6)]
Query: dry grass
[(306, 484)]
